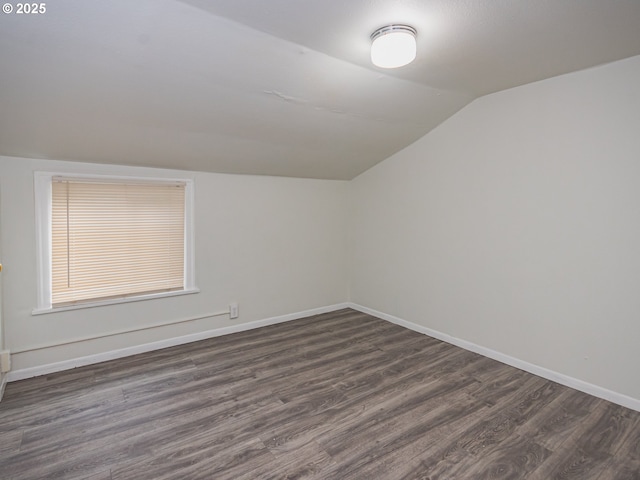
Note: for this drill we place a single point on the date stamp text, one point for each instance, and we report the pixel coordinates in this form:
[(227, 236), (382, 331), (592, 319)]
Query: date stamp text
[(25, 8)]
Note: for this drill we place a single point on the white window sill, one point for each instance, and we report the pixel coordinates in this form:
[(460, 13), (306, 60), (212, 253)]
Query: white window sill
[(115, 301)]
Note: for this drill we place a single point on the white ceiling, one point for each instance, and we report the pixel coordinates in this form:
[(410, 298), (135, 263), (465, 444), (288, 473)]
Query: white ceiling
[(276, 87)]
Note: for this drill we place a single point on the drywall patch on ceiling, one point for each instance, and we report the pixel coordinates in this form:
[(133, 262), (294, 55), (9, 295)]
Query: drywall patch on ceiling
[(286, 98)]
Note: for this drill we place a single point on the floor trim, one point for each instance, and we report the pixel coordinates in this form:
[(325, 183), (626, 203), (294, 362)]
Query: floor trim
[(566, 380), (15, 375), (3, 384)]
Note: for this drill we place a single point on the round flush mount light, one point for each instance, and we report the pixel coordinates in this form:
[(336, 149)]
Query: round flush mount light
[(393, 46)]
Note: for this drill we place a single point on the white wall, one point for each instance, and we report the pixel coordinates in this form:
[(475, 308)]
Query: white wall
[(3, 376), (515, 225), (275, 245)]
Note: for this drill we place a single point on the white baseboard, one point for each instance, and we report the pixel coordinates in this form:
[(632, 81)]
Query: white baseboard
[(566, 380), (15, 375), (3, 384)]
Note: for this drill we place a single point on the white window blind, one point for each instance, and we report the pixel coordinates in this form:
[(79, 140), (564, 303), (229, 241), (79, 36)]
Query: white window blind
[(113, 240)]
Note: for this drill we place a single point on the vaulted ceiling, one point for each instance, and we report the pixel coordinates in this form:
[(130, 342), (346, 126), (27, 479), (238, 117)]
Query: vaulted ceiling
[(275, 87)]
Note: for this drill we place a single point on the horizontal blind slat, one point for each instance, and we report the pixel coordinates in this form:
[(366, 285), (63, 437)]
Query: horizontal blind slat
[(116, 239)]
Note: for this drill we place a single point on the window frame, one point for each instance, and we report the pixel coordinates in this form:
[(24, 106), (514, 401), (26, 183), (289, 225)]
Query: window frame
[(43, 216)]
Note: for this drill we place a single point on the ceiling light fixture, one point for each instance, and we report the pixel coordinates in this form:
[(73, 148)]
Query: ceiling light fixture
[(393, 46)]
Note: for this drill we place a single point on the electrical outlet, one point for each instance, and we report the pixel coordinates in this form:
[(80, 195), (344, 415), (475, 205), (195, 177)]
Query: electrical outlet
[(5, 361), (233, 310)]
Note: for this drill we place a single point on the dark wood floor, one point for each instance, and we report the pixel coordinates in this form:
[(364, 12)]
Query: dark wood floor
[(335, 396)]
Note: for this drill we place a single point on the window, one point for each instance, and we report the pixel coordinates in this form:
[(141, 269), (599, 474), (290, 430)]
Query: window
[(112, 239)]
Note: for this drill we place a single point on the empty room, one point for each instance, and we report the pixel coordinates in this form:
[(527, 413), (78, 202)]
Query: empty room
[(321, 240)]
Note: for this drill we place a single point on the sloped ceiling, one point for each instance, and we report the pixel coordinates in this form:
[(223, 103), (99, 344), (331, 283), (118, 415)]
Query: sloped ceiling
[(275, 87)]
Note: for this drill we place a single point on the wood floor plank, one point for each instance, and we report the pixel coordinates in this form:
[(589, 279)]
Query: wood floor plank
[(630, 447), (307, 461), (399, 440), (616, 469), (575, 464), (515, 459), (10, 442), (335, 396), (106, 475), (611, 430), (57, 410), (559, 421), (570, 461), (501, 387), (201, 463)]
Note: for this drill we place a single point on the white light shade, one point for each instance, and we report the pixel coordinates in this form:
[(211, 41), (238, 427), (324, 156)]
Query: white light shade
[(393, 46)]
